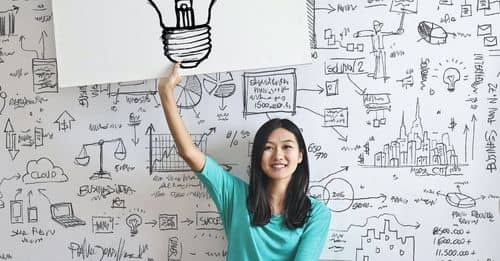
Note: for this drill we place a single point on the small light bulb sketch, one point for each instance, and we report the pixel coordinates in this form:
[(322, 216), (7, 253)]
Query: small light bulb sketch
[(133, 222), (450, 77), (186, 29)]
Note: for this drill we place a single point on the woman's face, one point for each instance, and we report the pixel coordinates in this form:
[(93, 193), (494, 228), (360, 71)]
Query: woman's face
[(281, 155)]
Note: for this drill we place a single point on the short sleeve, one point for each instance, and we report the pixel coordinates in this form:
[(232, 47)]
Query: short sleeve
[(315, 233), (220, 184)]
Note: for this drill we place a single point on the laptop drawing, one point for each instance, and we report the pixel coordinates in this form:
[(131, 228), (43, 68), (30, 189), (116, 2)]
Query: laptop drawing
[(63, 214)]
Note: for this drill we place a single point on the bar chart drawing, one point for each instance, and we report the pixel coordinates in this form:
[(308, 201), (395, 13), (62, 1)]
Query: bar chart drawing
[(8, 21)]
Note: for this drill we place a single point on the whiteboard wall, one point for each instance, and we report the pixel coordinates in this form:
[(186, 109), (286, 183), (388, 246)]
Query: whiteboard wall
[(405, 158)]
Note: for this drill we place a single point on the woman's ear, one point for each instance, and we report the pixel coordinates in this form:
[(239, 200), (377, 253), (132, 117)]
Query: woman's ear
[(301, 156)]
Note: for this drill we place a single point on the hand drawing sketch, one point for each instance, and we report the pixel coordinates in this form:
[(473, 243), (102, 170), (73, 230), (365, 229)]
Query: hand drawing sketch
[(187, 41)]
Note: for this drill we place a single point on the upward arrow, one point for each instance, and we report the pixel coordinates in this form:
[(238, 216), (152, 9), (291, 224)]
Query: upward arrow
[(42, 40), (473, 120), (466, 132), (149, 132)]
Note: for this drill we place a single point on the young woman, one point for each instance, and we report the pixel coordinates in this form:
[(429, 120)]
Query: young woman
[(272, 218)]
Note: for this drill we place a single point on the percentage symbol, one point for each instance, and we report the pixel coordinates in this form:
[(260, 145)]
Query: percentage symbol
[(232, 135)]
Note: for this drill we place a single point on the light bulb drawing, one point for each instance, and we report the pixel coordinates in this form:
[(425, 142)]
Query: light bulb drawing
[(83, 158), (450, 77), (133, 222), (186, 30)]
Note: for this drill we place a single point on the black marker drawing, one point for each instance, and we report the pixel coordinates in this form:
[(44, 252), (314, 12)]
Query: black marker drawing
[(451, 72), (460, 200), (118, 203), (168, 222), (187, 38), (385, 244), (103, 225), (208, 220), (270, 91), (3, 100), (489, 7), (380, 237), (432, 33), (43, 170), (64, 121), (415, 149), (221, 85), (133, 221), (8, 21), (174, 250), (163, 154), (333, 118), (141, 93), (188, 93), (63, 214), (119, 154), (10, 140), (134, 121), (404, 7), (16, 211), (377, 38), (235, 136), (44, 69)]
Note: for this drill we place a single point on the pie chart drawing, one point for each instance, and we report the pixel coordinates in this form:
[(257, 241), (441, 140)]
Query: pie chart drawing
[(460, 200), (220, 84), (188, 92), (432, 33)]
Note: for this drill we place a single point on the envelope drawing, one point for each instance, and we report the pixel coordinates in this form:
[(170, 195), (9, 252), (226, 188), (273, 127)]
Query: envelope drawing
[(118, 203), (490, 41), (483, 29)]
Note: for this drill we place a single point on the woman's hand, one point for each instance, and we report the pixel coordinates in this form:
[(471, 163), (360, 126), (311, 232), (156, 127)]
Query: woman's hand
[(166, 85)]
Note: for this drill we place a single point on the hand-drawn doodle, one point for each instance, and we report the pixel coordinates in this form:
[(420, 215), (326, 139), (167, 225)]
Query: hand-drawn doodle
[(134, 121), (188, 93), (43, 170), (163, 154), (133, 221), (118, 203), (3, 100), (83, 158), (63, 214), (221, 85), (142, 91), (64, 120), (489, 7), (235, 136), (415, 149), (44, 69), (208, 220), (385, 245), (333, 118), (8, 21), (450, 74), (381, 237), (404, 7), (377, 38), (16, 211), (174, 251), (168, 222), (103, 225), (187, 39), (432, 33), (269, 91), (10, 140)]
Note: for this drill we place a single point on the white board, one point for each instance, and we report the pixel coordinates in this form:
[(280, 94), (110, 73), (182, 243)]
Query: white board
[(121, 40)]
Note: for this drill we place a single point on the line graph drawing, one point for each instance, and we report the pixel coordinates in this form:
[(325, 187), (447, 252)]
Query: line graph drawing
[(163, 154)]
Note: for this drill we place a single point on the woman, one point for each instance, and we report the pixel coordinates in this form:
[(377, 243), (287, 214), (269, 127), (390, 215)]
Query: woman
[(272, 218)]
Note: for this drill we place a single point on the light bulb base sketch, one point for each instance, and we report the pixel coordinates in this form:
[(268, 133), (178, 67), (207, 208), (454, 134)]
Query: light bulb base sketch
[(187, 39), (133, 221)]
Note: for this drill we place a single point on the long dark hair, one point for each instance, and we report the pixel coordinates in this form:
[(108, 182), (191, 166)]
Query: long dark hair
[(297, 204)]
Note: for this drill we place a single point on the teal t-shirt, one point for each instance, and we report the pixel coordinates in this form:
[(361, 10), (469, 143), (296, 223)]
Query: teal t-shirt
[(273, 241)]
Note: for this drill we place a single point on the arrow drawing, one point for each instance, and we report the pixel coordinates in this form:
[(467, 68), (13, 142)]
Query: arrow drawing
[(64, 121), (10, 140)]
